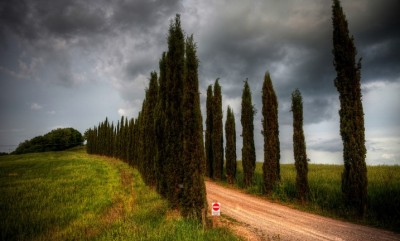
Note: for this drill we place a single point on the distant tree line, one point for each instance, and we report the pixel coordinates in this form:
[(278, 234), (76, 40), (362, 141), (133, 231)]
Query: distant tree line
[(56, 140)]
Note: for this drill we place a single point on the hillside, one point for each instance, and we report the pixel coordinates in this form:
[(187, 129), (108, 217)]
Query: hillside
[(75, 196)]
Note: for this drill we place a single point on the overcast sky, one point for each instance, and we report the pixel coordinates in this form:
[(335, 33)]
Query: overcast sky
[(73, 63)]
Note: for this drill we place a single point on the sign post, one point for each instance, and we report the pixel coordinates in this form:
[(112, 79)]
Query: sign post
[(215, 211)]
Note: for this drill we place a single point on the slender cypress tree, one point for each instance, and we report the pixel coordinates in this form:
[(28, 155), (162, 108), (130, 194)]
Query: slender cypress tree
[(248, 150), (347, 82), (194, 192), (117, 140), (209, 131), (131, 141), (140, 141), (125, 146), (136, 133), (160, 120), (230, 149), (299, 147), (217, 137), (149, 157), (270, 131), (174, 115)]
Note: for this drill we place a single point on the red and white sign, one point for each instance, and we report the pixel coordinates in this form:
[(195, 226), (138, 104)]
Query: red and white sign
[(216, 209)]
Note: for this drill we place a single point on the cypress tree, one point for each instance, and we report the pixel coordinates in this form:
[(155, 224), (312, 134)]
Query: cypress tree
[(160, 127), (217, 137), (131, 141), (194, 193), (121, 138), (209, 131), (174, 114), (112, 139), (140, 141), (126, 139), (124, 144), (270, 131), (149, 157), (117, 140), (230, 149), (136, 136), (248, 150), (347, 82), (299, 147)]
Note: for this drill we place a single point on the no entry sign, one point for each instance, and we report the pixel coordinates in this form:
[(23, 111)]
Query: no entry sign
[(216, 209)]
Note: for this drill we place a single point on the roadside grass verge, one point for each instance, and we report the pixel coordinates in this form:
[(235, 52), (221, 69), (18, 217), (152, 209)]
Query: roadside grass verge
[(326, 195), (70, 195)]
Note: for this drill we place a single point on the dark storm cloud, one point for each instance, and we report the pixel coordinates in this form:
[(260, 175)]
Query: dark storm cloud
[(332, 145), (37, 20), (292, 40), (71, 18), (142, 14), (377, 37), (15, 17), (268, 37), (60, 37), (115, 44)]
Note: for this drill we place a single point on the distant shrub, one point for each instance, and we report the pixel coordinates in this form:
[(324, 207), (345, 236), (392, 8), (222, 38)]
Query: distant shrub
[(56, 140)]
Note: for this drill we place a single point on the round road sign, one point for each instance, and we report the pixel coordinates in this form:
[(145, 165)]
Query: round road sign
[(215, 206)]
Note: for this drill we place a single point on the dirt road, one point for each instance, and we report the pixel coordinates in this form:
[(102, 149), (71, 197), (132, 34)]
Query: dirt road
[(270, 221)]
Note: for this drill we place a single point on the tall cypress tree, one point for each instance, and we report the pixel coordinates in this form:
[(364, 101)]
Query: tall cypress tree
[(248, 150), (174, 115), (270, 131), (347, 82), (209, 131), (131, 141), (194, 192), (149, 157), (125, 146), (140, 141), (230, 149), (217, 137), (160, 120), (299, 147)]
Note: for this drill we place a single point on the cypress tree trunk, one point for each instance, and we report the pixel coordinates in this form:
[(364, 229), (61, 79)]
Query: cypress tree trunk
[(209, 131), (271, 166), (217, 137), (174, 114), (299, 147), (248, 150), (230, 150), (194, 191), (347, 82)]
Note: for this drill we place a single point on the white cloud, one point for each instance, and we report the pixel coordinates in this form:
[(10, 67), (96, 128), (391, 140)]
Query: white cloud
[(36, 106), (388, 156), (126, 112)]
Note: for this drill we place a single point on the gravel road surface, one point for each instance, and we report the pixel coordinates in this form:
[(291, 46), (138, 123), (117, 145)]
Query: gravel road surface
[(271, 221)]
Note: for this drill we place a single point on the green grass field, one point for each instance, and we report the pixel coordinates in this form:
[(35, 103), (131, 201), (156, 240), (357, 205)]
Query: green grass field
[(326, 196), (74, 196)]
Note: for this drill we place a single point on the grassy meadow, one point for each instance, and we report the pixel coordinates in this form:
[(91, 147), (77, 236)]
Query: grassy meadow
[(70, 195), (326, 195)]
